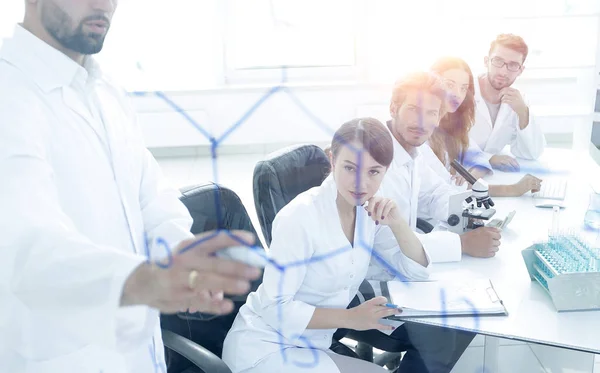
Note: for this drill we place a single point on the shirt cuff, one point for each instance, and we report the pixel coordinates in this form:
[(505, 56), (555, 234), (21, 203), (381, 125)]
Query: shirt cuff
[(529, 131), (166, 237), (488, 156), (132, 324), (295, 324), (122, 271), (529, 122)]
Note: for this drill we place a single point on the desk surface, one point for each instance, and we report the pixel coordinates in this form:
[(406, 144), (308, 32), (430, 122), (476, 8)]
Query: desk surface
[(532, 316)]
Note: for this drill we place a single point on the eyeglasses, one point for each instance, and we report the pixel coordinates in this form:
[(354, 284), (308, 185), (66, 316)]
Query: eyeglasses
[(512, 66)]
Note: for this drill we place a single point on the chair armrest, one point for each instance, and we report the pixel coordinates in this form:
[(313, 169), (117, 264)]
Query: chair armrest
[(424, 226), (198, 355)]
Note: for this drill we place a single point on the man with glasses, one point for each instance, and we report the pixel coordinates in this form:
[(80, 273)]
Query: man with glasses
[(502, 117)]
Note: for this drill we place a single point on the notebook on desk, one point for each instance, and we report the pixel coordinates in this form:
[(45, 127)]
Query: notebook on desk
[(444, 298)]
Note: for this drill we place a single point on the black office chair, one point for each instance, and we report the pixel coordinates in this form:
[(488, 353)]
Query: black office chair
[(202, 360), (282, 176), (279, 179), (199, 337)]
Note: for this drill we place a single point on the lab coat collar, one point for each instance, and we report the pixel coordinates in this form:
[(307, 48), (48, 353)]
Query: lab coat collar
[(401, 156), (480, 103), (478, 97), (330, 188), (328, 193), (48, 67)]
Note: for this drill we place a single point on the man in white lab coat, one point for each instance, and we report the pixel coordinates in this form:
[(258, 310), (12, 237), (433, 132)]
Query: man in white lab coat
[(501, 116), (416, 108), (79, 196)]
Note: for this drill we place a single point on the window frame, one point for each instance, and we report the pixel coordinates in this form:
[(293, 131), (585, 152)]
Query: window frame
[(295, 74), (361, 72)]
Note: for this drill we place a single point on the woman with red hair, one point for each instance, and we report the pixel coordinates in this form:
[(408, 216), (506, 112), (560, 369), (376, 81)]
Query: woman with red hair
[(451, 139)]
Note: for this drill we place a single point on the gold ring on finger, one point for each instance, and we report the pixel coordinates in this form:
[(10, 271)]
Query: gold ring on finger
[(192, 279)]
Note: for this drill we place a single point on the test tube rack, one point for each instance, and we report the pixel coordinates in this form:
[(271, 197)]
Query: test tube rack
[(568, 268)]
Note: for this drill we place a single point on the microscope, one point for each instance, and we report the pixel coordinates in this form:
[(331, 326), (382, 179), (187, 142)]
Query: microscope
[(470, 209)]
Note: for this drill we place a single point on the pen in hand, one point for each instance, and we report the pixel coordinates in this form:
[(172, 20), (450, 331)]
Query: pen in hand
[(390, 305)]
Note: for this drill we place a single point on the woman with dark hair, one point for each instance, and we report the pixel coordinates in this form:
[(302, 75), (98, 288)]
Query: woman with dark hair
[(450, 140), (323, 241)]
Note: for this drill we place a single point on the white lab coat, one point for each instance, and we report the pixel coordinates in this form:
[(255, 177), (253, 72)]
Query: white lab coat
[(491, 137), (440, 169), (419, 192), (78, 193), (323, 270), (476, 158)]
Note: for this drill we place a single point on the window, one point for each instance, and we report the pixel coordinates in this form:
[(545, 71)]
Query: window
[(153, 46), (561, 34), (558, 42), (518, 8), (198, 44), (11, 14), (269, 34)]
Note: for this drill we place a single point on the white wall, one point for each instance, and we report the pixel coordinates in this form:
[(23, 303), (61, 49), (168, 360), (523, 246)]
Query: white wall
[(391, 36), (564, 106)]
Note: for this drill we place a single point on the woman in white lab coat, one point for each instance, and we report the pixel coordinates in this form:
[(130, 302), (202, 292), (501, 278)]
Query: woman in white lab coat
[(323, 241), (451, 139)]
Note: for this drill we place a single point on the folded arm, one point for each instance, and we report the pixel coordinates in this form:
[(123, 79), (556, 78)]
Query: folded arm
[(529, 142)]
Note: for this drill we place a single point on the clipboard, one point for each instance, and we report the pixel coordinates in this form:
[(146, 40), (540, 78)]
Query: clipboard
[(463, 298)]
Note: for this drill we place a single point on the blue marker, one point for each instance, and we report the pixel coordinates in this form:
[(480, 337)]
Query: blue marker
[(389, 305)]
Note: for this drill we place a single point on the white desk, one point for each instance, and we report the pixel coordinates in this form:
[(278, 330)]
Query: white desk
[(532, 316)]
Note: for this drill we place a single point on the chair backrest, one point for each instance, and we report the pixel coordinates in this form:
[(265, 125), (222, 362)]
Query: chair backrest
[(212, 207), (282, 176)]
